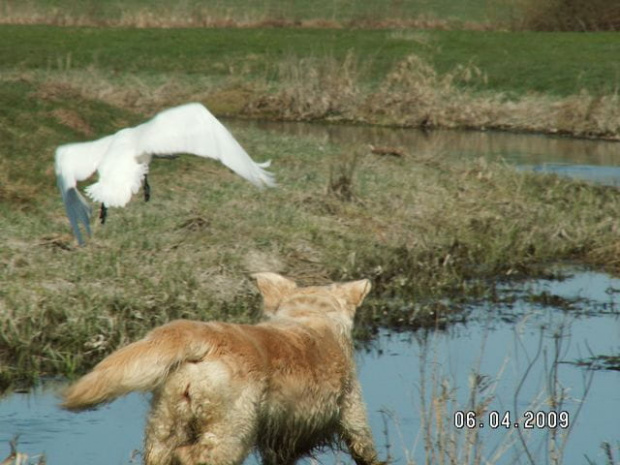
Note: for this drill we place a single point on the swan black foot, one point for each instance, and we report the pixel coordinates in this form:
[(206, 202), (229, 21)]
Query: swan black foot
[(103, 213), (147, 189)]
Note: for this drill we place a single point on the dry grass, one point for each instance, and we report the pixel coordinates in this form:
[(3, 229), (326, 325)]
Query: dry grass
[(536, 15), (413, 94), (324, 88), (567, 15), (422, 227), (138, 94), (219, 15), (312, 89)]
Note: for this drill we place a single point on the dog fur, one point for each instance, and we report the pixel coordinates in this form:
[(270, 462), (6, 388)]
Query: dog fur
[(282, 387)]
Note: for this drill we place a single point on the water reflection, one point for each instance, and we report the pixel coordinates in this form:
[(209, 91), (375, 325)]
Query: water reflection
[(500, 353), (591, 160), (404, 376)]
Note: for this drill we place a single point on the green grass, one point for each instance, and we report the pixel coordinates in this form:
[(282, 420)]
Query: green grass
[(521, 62), (513, 63)]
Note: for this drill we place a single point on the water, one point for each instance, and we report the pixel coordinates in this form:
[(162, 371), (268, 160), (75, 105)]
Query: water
[(499, 343), (496, 347), (607, 175), (591, 160), (105, 436)]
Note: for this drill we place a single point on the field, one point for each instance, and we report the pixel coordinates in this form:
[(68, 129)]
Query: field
[(559, 83), (241, 12), (422, 227), (509, 63)]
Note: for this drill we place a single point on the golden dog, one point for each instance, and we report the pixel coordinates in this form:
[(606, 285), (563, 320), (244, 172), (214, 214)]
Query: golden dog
[(283, 387)]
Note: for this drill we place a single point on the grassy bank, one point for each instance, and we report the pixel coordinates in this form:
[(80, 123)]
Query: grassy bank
[(422, 227), (551, 83), (515, 64)]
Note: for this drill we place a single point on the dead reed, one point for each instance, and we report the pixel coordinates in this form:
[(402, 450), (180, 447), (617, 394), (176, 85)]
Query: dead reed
[(452, 413), (566, 15), (190, 14), (414, 94), (324, 88)]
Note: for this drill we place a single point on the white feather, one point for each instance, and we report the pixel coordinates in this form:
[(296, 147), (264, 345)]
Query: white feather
[(122, 159)]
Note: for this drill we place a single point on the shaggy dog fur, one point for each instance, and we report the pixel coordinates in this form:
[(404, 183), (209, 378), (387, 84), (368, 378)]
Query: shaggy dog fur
[(283, 387)]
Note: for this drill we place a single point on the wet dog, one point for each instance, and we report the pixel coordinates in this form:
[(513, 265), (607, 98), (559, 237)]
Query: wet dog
[(283, 387)]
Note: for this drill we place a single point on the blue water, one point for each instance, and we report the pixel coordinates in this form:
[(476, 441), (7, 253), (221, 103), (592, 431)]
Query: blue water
[(589, 160), (105, 436), (607, 175), (502, 350), (391, 375)]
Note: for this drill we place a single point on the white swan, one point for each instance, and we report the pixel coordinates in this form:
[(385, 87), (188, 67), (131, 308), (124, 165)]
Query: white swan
[(122, 159)]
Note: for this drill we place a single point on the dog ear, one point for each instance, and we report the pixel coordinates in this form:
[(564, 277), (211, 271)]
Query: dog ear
[(355, 291), (273, 287)]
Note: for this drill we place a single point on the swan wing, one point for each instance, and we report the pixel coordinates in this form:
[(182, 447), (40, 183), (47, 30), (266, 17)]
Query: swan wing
[(191, 128)]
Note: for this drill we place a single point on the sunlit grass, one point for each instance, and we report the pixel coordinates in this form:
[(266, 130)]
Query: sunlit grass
[(513, 63), (422, 228)]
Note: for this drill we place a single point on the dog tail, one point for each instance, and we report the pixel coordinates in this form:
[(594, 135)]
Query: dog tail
[(140, 366)]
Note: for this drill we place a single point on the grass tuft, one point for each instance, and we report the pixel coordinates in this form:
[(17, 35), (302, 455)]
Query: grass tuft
[(341, 175)]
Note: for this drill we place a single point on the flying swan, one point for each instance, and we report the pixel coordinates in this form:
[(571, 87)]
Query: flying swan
[(122, 159)]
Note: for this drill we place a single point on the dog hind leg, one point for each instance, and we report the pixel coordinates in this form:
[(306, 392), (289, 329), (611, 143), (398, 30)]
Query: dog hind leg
[(223, 425), (227, 441), (166, 429), (355, 430)]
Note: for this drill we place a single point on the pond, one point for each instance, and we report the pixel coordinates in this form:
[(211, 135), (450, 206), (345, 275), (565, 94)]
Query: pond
[(514, 355)]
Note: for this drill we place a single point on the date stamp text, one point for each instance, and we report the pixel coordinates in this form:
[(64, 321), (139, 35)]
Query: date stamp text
[(495, 420)]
